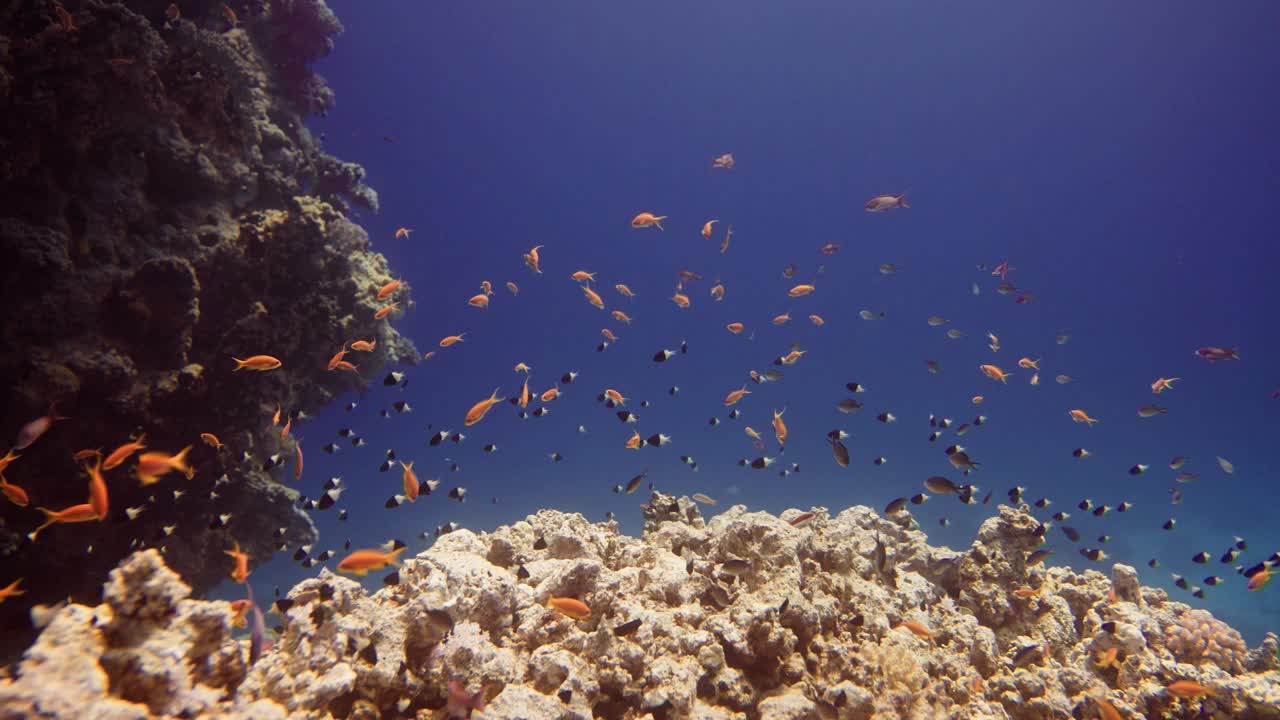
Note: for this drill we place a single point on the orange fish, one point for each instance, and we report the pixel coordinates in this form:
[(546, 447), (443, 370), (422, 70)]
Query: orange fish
[(1029, 364), (275, 419), (1188, 689), (64, 17), (122, 453), (11, 590), (1107, 710), (784, 317), (724, 162), (211, 440), (429, 354), (717, 291), (624, 291), (575, 609), (791, 357), (297, 460), (9, 457), (1035, 378), (73, 514), (486, 287), (1162, 384), (801, 290), (386, 310), (388, 290), (479, 301), (365, 345), (734, 327), (1081, 416), (524, 394), (347, 367), (644, 220), (615, 396), (533, 260), (17, 495), (239, 609), (706, 229), (977, 399), (608, 335), (410, 481), (288, 424), (362, 561), (917, 629), (452, 339), (513, 288), (621, 317), (550, 395), (885, 203), (81, 455), (97, 490), (231, 15), (480, 409), (521, 367), (779, 427), (724, 244), (817, 320), (240, 572), (680, 299), (994, 372), (593, 297), (333, 361), (261, 363), (635, 441), (582, 275), (403, 233), (154, 464), (1258, 581), (1026, 593), (1107, 659), (735, 396)]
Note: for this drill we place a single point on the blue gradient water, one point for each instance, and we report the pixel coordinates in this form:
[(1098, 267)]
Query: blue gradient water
[(1123, 162)]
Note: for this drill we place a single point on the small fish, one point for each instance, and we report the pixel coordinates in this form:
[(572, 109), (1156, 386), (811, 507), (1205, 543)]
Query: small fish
[(885, 203), (1226, 465), (1151, 410), (570, 607), (1215, 354)]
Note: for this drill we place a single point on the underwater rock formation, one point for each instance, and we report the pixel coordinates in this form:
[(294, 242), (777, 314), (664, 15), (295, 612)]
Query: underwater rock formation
[(744, 615), (162, 209)]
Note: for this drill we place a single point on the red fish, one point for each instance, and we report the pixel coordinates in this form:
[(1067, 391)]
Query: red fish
[(1214, 354)]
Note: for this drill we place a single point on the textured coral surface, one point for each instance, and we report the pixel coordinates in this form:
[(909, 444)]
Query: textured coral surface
[(812, 625), (162, 209)]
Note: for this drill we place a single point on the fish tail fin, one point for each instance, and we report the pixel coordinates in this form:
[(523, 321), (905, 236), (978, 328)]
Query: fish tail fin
[(49, 519), (393, 558), (239, 363), (180, 462), (658, 221)]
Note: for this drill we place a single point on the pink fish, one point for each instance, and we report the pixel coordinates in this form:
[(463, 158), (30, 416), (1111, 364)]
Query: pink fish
[(1003, 270), (34, 429), (1214, 354), (885, 203)]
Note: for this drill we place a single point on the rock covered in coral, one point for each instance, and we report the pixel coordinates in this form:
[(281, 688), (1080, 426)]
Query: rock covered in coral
[(163, 208), (742, 616)]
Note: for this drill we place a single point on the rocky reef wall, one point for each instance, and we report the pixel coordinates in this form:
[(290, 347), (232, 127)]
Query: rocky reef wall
[(162, 209), (745, 617)]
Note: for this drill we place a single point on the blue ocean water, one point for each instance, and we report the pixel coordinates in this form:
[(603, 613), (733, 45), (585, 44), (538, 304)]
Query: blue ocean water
[(1123, 163)]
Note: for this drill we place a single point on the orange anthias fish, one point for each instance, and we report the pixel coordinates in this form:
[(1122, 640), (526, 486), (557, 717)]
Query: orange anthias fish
[(1081, 416), (583, 276), (994, 372), (34, 429), (1162, 384), (1108, 658), (734, 327), (347, 367), (724, 244), (779, 427), (621, 317), (362, 561), (122, 453), (239, 609), (1029, 364), (231, 15), (916, 629), (388, 290), (1258, 581), (211, 440), (801, 290), (735, 396), (680, 299), (574, 608), (152, 465), (261, 363), (410, 480), (706, 229), (333, 361), (386, 310), (486, 287), (452, 339), (19, 497), (550, 395), (791, 357), (615, 396), (513, 288), (784, 317), (98, 490), (1188, 689), (532, 260), (11, 590), (624, 291), (635, 441), (817, 320), (608, 335), (480, 409), (724, 162), (85, 454), (403, 233), (240, 572), (885, 203), (479, 300), (644, 220), (593, 297), (365, 345), (524, 394), (1107, 710), (9, 457), (717, 292), (73, 514), (297, 460)]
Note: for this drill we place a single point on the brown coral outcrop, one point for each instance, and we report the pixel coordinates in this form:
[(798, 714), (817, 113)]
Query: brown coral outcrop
[(805, 630), (163, 208)]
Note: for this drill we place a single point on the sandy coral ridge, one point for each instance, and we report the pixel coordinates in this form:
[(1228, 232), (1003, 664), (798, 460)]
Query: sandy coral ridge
[(743, 616), (163, 208)]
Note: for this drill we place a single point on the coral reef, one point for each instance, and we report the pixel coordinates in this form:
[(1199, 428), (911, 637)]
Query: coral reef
[(163, 208), (741, 616)]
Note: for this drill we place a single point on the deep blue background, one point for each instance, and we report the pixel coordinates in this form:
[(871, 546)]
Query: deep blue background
[(1124, 161)]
